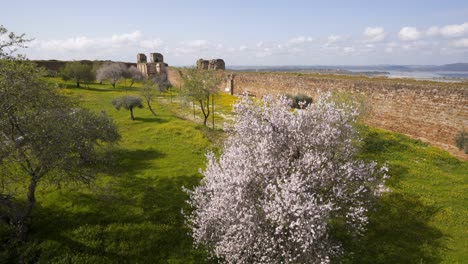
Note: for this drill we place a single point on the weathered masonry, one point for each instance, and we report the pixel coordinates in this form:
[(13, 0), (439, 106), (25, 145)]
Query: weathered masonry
[(154, 68), (216, 64), (430, 111)]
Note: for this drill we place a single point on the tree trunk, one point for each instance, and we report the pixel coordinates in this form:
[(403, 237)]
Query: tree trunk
[(151, 109), (212, 110), (206, 113), (131, 114), (22, 221), (78, 84)]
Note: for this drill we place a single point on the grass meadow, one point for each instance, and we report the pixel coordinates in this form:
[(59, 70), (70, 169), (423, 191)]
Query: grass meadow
[(132, 212)]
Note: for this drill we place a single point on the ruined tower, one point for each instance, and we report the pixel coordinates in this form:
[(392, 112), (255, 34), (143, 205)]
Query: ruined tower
[(155, 68), (216, 64)]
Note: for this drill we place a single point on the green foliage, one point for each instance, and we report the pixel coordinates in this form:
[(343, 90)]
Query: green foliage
[(198, 85), (300, 98), (79, 72), (147, 91), (132, 214), (45, 137), (9, 42), (127, 102), (461, 141)]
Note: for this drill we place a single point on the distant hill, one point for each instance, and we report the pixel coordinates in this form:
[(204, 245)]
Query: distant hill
[(453, 67)]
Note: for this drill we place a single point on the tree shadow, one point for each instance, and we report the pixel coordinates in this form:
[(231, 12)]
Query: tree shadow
[(398, 232), (104, 88), (399, 228), (154, 119), (131, 161), (135, 220)]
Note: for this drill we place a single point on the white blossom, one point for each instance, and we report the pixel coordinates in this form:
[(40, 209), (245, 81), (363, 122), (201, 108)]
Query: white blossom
[(282, 177)]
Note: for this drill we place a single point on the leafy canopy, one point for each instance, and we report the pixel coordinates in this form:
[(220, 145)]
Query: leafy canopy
[(78, 71), (44, 136)]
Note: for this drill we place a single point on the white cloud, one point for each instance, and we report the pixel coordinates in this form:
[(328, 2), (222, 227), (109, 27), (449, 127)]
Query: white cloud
[(449, 31), (198, 47), (152, 44), (299, 40), (348, 49), (70, 44), (461, 43), (375, 34), (409, 34), (125, 38), (243, 48), (334, 38), (198, 43), (391, 47)]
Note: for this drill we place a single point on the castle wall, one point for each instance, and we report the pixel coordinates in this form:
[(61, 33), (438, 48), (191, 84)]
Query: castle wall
[(432, 112), (142, 67)]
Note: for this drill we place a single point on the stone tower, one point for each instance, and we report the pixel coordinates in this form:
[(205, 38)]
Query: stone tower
[(155, 68), (216, 64)]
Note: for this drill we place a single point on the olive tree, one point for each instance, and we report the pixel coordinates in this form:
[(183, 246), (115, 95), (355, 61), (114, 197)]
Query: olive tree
[(134, 75), (148, 93), (112, 72), (10, 42), (127, 102), (44, 136), (199, 86), (284, 176), (78, 71)]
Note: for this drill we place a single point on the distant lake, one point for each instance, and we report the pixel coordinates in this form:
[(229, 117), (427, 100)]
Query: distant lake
[(448, 76)]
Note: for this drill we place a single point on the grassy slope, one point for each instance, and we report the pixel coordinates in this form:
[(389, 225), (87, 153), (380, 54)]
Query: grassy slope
[(133, 214), (423, 219)]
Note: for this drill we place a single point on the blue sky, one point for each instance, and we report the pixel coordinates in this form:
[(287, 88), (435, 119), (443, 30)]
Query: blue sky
[(245, 32)]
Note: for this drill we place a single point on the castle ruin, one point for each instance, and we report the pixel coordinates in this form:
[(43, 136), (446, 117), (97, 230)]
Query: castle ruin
[(216, 64), (153, 69)]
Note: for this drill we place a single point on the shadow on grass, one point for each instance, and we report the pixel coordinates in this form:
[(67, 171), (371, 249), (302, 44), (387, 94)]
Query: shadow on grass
[(132, 161), (398, 232), (135, 220), (154, 119), (399, 229), (101, 88), (131, 218)]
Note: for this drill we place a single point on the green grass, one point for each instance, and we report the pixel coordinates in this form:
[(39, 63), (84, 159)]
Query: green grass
[(424, 217), (132, 214)]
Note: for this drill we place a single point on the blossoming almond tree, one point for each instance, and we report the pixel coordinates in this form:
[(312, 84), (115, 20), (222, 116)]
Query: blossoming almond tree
[(283, 177)]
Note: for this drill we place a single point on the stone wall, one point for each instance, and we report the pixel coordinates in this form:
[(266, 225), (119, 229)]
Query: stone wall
[(432, 112)]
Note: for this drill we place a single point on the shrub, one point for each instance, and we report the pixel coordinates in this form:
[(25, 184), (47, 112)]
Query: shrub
[(461, 141), (298, 99)]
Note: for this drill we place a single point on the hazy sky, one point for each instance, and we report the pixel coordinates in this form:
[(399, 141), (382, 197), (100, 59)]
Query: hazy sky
[(254, 32)]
